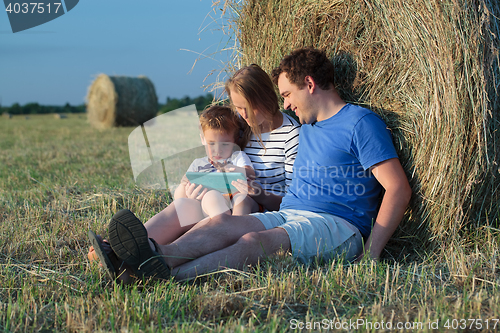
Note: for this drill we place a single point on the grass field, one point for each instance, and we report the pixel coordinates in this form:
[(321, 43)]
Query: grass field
[(58, 177)]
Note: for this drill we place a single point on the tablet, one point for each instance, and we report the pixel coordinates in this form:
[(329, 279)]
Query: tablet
[(220, 181)]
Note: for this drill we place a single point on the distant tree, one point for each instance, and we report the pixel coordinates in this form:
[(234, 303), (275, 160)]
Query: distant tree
[(31, 108), (81, 108), (15, 109), (35, 108), (68, 108), (202, 101), (173, 103)]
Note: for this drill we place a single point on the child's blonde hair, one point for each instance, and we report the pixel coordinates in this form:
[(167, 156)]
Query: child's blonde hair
[(222, 118)]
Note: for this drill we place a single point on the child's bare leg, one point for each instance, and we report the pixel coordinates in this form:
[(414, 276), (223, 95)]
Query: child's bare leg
[(177, 218), (214, 203), (164, 227), (244, 205)]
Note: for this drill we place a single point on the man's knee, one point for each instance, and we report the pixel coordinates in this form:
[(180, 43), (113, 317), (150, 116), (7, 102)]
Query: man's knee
[(256, 242), (221, 219), (266, 242), (250, 239)]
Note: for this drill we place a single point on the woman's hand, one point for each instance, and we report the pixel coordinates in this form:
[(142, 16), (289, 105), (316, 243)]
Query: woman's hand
[(193, 191)]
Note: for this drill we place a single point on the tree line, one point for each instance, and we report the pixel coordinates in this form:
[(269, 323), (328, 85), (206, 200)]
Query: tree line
[(174, 103), (35, 108), (171, 104)]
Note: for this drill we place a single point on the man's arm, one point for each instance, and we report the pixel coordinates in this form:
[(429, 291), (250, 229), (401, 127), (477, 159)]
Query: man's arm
[(391, 176)]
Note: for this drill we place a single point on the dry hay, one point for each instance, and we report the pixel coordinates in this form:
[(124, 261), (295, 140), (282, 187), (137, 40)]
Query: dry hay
[(6, 115), (430, 68), (121, 101)]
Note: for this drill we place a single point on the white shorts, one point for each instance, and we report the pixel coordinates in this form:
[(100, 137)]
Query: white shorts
[(315, 235)]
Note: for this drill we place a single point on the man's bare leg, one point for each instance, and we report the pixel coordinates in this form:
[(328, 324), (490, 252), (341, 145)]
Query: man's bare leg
[(208, 236), (246, 251)]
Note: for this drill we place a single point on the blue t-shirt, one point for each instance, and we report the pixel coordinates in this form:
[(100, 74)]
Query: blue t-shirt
[(331, 172)]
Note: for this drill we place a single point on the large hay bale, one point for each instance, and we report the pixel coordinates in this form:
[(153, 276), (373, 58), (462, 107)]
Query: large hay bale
[(121, 101), (430, 68)]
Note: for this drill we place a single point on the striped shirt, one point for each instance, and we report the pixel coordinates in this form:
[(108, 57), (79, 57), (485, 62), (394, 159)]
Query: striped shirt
[(274, 165)]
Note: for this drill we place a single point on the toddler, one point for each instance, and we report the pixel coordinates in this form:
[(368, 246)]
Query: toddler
[(223, 140)]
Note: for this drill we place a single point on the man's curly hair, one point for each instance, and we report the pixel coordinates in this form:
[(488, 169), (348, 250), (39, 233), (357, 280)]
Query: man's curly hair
[(306, 62)]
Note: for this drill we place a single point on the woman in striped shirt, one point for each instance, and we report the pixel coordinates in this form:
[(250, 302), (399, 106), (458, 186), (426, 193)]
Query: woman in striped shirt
[(274, 139)]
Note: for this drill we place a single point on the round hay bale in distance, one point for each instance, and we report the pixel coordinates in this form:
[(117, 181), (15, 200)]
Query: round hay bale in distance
[(60, 116), (121, 101)]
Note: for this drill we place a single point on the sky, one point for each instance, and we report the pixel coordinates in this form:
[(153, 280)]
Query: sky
[(54, 63)]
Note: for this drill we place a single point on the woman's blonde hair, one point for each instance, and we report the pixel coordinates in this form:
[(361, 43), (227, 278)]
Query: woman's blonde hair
[(257, 88), (222, 118)]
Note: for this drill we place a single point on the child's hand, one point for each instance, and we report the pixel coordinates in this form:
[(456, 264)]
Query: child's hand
[(193, 191), (220, 166), (234, 168)]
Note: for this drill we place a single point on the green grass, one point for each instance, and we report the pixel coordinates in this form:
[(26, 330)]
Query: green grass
[(58, 177)]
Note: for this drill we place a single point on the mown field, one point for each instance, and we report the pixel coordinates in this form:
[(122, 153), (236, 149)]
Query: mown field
[(60, 177)]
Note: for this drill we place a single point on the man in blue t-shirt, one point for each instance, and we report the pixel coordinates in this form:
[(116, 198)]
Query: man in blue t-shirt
[(345, 158)]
